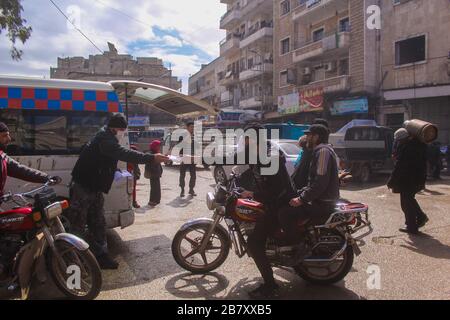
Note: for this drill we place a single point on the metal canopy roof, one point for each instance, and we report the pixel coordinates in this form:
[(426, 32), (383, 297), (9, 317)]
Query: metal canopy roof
[(162, 98)]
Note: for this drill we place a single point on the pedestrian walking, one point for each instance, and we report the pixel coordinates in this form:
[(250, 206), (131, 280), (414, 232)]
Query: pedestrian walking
[(408, 178), (191, 166), (92, 177), (154, 172)]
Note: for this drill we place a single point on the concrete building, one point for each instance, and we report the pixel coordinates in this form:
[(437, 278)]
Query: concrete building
[(326, 61), (204, 85), (114, 66), (248, 54), (416, 63)]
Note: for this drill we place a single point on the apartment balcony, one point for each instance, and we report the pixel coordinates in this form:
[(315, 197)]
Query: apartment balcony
[(256, 35), (256, 71), (229, 79), (255, 102), (231, 18), (257, 7), (312, 11), (330, 85), (205, 92), (332, 45), (229, 45)]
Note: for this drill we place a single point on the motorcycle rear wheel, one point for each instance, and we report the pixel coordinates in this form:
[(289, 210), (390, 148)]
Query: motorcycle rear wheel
[(88, 266), (344, 264), (178, 246)]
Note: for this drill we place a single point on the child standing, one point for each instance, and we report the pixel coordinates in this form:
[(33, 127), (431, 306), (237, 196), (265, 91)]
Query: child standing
[(155, 171)]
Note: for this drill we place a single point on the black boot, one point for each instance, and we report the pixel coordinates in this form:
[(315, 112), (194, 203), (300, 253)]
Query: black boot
[(192, 193), (182, 193)]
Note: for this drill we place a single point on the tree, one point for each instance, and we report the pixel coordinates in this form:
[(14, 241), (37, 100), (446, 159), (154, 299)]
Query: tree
[(11, 21)]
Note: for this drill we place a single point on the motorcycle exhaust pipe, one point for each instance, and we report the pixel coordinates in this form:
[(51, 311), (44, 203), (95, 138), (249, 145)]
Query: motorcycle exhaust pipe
[(334, 257)]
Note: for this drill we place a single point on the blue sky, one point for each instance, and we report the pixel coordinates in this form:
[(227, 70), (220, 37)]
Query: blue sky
[(185, 34)]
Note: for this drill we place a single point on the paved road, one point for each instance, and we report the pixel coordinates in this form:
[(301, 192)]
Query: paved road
[(410, 267)]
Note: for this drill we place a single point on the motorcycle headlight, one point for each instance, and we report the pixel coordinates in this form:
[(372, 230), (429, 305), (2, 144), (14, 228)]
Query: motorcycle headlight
[(211, 201), (55, 209)]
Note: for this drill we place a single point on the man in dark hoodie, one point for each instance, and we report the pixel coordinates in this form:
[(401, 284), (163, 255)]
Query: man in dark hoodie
[(301, 172), (93, 176), (317, 199)]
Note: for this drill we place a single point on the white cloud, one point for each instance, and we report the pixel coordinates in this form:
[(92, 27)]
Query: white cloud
[(196, 23), (172, 41)]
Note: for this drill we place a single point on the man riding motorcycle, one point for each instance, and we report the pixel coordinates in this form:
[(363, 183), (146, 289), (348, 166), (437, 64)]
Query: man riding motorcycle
[(12, 168), (274, 191), (317, 200)]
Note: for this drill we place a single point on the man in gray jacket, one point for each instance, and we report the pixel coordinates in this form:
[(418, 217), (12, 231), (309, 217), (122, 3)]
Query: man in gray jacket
[(316, 201)]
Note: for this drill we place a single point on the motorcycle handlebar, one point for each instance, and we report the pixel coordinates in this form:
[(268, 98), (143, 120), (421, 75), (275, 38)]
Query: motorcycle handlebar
[(29, 195)]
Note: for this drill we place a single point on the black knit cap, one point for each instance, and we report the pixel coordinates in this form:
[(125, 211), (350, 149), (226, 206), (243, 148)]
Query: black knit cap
[(118, 121), (3, 127)]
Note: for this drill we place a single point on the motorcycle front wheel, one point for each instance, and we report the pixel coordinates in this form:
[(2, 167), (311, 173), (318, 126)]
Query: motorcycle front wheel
[(187, 242), (83, 279)]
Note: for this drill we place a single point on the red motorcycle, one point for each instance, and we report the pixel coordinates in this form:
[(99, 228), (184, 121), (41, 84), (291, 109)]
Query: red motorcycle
[(202, 245), (32, 238)]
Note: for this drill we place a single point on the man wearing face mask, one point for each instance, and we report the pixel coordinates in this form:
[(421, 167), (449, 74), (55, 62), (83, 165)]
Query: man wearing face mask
[(93, 176)]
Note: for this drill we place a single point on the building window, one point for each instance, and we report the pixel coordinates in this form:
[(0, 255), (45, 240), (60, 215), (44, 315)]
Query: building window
[(343, 67), (410, 50), (318, 34), (283, 78), (250, 63), (285, 46), (285, 7), (344, 25)]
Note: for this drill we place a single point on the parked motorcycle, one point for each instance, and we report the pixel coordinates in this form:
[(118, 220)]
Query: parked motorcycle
[(202, 245), (33, 239)]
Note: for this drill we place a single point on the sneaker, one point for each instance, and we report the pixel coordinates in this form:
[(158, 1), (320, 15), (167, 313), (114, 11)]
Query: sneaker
[(136, 205), (264, 291), (422, 222), (107, 263), (192, 193), (182, 193)]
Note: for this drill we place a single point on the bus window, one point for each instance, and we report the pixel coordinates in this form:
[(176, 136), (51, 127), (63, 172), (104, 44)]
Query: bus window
[(50, 132)]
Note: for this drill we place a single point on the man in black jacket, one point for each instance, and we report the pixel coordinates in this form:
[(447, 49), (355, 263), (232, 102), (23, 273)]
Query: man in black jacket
[(274, 191), (93, 176), (408, 178)]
